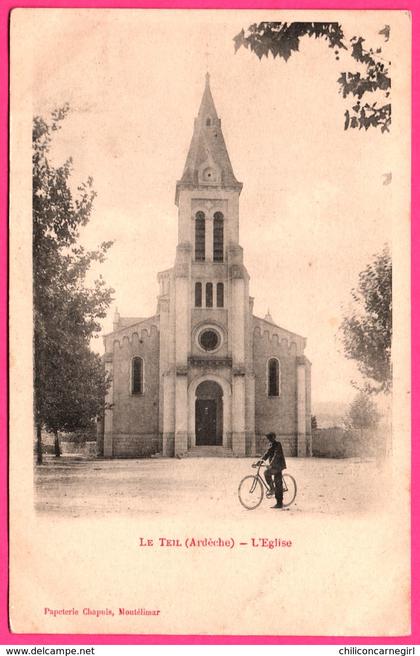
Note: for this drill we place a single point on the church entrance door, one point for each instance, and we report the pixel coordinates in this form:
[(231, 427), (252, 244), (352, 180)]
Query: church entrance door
[(209, 414), (205, 425)]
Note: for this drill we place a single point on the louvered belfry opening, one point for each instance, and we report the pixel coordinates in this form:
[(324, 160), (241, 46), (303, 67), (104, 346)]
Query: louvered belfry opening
[(220, 294), (198, 294), (209, 294), (200, 237), (218, 237)]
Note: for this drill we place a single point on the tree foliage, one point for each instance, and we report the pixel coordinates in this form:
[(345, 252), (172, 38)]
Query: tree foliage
[(367, 331), (69, 380), (362, 413), (281, 39)]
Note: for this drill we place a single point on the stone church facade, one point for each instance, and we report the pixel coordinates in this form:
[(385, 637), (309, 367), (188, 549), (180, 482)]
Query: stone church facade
[(204, 371)]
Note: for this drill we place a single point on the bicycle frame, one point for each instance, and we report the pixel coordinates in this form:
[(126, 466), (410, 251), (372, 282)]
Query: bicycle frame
[(263, 481), (261, 478), (250, 485)]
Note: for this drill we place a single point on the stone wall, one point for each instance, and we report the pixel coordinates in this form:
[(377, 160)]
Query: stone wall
[(275, 414), (288, 442), (135, 417), (136, 445), (338, 442)]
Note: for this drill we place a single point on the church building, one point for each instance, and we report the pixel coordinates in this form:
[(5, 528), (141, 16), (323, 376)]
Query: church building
[(204, 373)]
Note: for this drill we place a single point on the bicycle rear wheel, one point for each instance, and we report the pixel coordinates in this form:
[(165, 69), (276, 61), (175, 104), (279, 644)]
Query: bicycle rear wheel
[(250, 492), (289, 490)]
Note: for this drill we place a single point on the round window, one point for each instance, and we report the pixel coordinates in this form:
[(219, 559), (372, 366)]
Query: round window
[(209, 340)]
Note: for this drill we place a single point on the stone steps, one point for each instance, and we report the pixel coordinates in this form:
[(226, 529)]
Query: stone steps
[(208, 451)]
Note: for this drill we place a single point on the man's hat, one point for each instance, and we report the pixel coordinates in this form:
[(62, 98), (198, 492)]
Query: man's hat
[(271, 437)]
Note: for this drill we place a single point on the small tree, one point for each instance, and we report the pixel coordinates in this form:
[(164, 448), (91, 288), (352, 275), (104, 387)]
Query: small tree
[(363, 413), (366, 332), (69, 381), (79, 397), (361, 419), (314, 423)]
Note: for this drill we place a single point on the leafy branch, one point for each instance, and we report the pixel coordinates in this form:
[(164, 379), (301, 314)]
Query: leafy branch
[(366, 330), (282, 39)]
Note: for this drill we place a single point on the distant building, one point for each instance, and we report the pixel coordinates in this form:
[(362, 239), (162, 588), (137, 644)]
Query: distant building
[(204, 371)]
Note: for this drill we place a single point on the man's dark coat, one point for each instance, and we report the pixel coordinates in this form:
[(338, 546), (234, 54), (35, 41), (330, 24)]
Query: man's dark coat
[(275, 457)]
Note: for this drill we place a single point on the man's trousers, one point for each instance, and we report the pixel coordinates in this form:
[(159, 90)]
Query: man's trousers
[(276, 485)]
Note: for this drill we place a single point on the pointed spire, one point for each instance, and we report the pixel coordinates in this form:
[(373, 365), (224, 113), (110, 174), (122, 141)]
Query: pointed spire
[(116, 320), (208, 160), (268, 316), (207, 109)]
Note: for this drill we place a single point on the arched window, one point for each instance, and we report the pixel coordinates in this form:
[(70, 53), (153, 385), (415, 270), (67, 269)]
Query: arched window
[(220, 294), (273, 377), (198, 291), (209, 294), (218, 237), (200, 237), (137, 376), (208, 121)]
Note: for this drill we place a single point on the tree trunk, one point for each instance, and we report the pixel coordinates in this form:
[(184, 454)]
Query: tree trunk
[(38, 445), (57, 449)]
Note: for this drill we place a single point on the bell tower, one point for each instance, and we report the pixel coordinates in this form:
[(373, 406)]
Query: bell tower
[(207, 373)]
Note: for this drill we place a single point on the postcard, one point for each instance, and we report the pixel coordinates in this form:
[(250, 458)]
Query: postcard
[(209, 322)]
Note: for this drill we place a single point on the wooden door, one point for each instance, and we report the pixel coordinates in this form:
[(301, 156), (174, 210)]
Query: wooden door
[(206, 421)]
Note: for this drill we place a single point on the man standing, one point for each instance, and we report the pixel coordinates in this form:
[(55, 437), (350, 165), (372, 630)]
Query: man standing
[(277, 463)]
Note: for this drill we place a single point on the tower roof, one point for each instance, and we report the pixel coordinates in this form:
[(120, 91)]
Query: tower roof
[(208, 150)]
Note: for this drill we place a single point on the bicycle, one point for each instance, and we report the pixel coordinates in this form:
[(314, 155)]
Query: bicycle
[(251, 489)]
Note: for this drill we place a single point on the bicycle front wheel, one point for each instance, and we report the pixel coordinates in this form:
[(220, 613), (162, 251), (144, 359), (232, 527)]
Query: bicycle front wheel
[(250, 492), (289, 490)]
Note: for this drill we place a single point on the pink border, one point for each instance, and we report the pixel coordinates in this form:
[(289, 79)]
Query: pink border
[(5, 636)]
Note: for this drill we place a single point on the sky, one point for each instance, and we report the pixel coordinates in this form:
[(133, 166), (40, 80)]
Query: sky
[(314, 208)]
